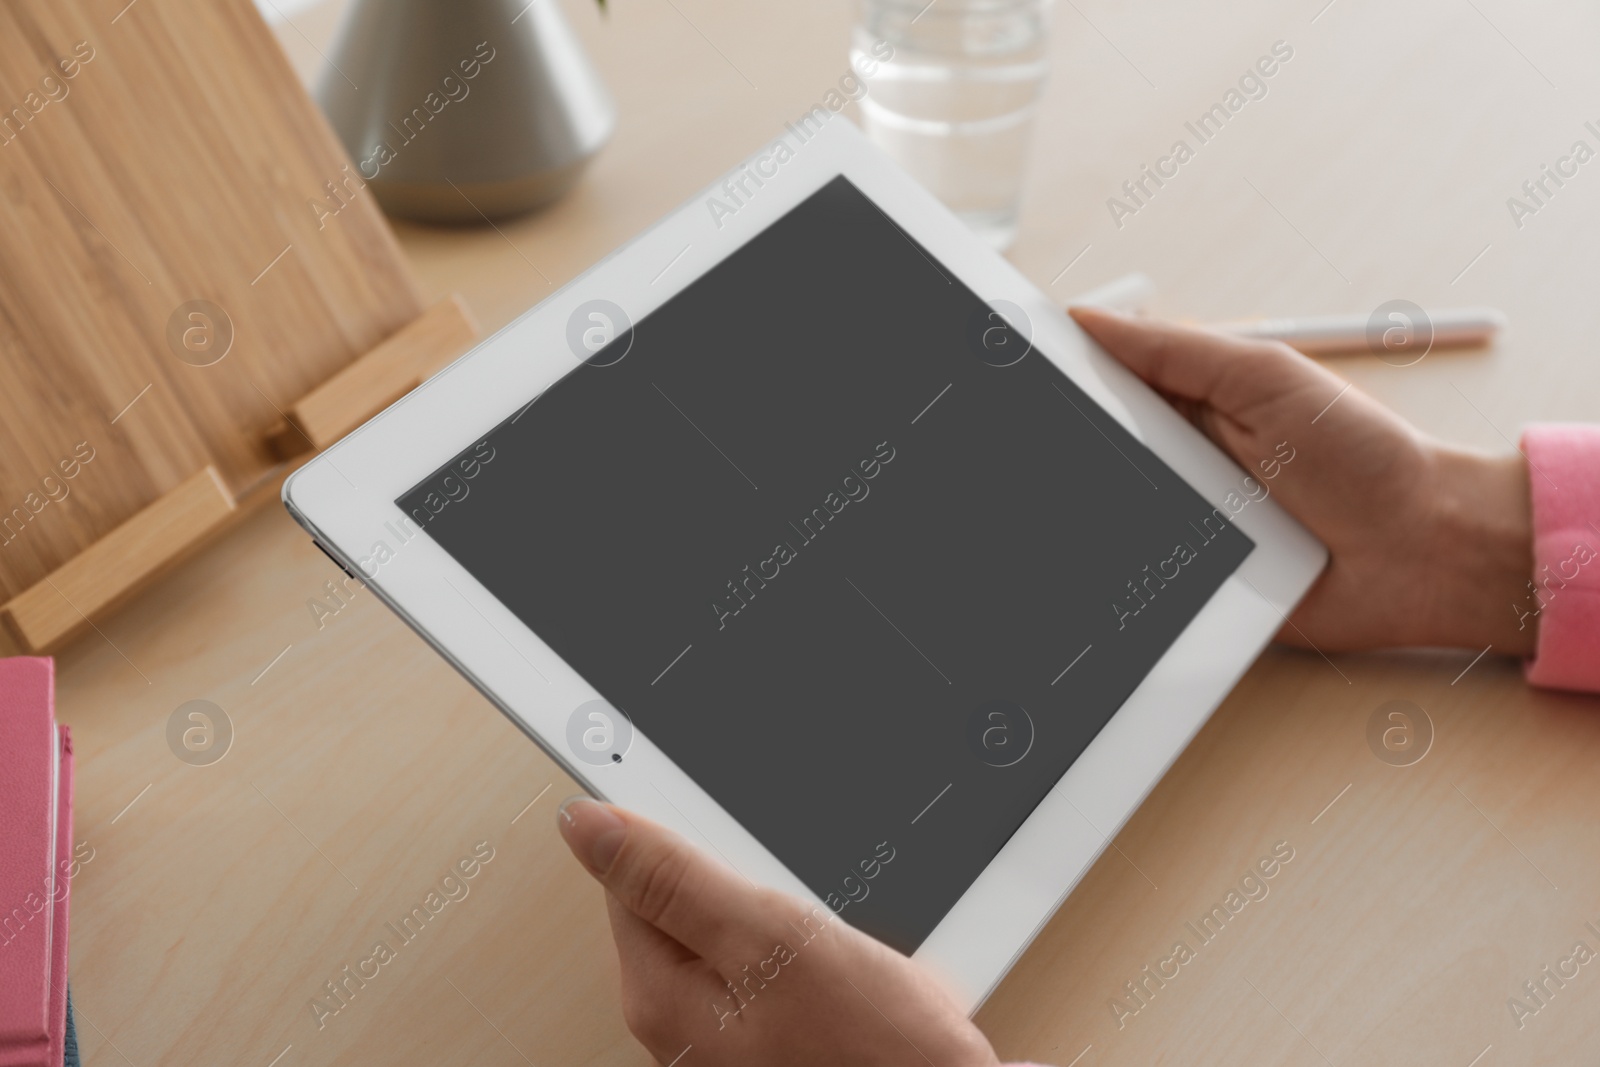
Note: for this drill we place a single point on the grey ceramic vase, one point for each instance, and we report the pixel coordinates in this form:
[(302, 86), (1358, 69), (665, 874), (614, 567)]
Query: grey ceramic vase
[(460, 110)]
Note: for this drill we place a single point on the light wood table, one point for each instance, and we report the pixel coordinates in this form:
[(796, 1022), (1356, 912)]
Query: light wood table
[(220, 899)]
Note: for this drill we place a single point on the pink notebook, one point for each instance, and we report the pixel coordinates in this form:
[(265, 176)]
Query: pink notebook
[(35, 836)]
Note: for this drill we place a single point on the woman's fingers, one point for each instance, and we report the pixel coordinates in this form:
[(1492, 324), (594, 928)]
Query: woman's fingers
[(1231, 374), (642, 948), (663, 880), (752, 976), (661, 979)]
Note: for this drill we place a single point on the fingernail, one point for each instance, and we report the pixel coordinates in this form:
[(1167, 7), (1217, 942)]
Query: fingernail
[(592, 830)]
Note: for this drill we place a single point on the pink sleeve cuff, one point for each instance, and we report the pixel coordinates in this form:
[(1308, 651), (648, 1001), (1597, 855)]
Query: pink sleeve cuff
[(1564, 473)]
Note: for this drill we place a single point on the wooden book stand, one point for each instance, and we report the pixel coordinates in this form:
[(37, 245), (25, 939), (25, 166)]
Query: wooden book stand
[(196, 295)]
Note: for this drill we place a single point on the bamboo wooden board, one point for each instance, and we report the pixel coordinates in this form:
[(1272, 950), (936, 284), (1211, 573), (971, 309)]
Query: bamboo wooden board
[(153, 154)]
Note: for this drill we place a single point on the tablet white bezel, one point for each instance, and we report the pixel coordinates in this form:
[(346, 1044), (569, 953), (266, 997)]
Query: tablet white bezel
[(345, 499)]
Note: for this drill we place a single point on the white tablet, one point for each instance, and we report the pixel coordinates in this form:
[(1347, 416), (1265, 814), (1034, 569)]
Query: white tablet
[(806, 525)]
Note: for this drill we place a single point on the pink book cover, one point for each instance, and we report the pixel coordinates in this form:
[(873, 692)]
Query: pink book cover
[(29, 792)]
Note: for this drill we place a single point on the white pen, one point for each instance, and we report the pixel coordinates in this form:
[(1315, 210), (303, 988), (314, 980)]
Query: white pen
[(1323, 334)]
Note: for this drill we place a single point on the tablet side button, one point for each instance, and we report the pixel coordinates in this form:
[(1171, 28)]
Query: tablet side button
[(331, 556)]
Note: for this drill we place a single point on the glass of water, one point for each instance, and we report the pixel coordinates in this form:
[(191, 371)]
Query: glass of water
[(952, 87)]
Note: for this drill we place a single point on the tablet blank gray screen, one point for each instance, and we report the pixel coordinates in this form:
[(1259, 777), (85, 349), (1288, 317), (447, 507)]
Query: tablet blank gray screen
[(871, 588)]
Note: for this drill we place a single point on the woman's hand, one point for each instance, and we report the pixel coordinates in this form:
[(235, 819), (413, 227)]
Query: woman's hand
[(753, 976), (1430, 544)]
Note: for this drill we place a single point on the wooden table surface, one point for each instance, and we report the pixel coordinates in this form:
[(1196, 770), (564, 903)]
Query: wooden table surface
[(219, 899)]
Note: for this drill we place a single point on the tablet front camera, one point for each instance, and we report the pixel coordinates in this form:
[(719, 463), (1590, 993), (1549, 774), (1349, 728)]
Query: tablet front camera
[(598, 734)]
